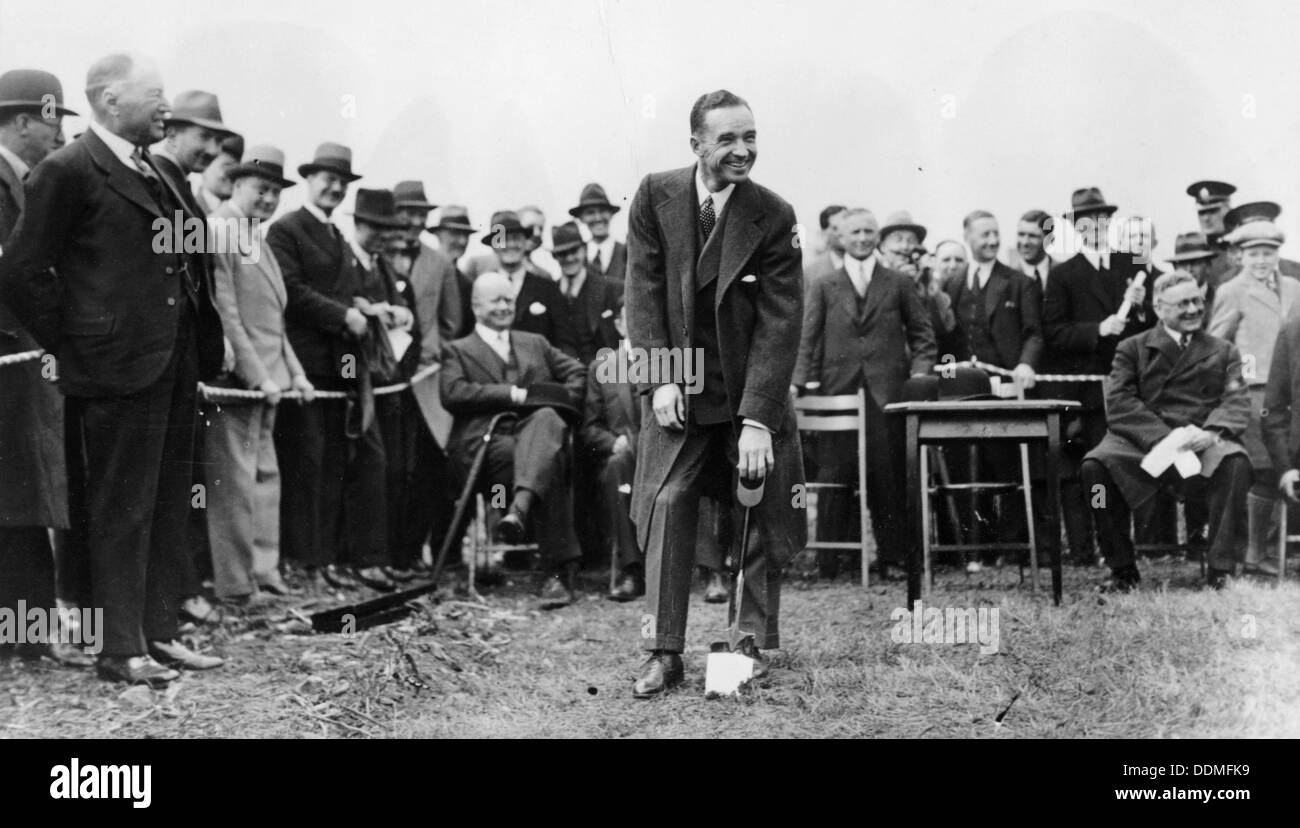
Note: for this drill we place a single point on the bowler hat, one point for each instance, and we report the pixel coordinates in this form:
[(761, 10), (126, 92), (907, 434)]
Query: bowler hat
[(453, 217), (377, 207), (593, 195), (410, 194), (504, 222), (1089, 200), (1191, 247), (264, 162), (552, 395), (901, 220), (28, 88), (965, 383), (565, 237), (330, 157), (198, 108)]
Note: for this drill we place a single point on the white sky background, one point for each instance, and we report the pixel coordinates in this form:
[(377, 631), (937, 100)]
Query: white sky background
[(503, 103)]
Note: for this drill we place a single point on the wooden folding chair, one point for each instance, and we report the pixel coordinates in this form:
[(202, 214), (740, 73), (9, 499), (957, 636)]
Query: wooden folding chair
[(846, 412)]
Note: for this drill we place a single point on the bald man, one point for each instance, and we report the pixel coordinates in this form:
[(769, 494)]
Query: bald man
[(495, 369), (134, 328)]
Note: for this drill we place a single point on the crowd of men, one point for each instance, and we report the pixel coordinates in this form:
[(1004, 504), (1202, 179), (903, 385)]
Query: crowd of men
[(125, 488)]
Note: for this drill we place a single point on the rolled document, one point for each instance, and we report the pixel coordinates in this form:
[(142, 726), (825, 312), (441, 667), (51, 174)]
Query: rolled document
[(1126, 305)]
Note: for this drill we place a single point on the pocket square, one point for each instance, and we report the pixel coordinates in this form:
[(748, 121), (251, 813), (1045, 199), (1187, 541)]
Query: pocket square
[(751, 278), (1008, 304), (537, 309), (607, 314)]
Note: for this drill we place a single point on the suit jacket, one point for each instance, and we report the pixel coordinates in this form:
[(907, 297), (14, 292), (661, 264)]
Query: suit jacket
[(1281, 416), (252, 300), (893, 340), (321, 275), (539, 309), (436, 294), (758, 308), (1249, 315), (474, 386), (1013, 310), (1078, 299), (615, 270), (611, 408), (34, 492), (81, 273), (1154, 387), (590, 317)]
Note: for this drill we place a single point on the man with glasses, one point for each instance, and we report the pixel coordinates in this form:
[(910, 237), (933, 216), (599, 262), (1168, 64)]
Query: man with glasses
[(1173, 376)]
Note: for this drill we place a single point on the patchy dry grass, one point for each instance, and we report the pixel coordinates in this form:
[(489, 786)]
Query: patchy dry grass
[(1169, 661)]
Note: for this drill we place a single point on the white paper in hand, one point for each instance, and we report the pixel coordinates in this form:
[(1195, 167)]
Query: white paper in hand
[(399, 340)]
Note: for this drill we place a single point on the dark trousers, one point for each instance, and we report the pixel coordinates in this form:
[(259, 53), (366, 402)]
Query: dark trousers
[(26, 571), (705, 466), (72, 545), (332, 498), (139, 469), (417, 483), (1224, 492), (535, 455)]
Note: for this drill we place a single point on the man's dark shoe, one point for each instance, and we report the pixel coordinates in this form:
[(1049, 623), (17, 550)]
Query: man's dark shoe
[(374, 577), (1217, 578), (175, 654), (135, 670), (70, 655), (339, 578), (661, 672), (510, 529), (198, 609), (630, 587), (718, 590), (558, 591), (1122, 579)]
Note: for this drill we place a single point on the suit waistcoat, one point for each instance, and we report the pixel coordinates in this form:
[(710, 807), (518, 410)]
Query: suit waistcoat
[(710, 406), (974, 321)]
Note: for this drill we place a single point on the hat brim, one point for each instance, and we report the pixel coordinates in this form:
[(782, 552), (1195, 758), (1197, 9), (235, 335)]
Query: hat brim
[(305, 170), (380, 221), (576, 212), (455, 228), (416, 205), (565, 248), (510, 231), (1191, 257), (1108, 209), (215, 126), (58, 108), (248, 170), (894, 228), (1259, 243)]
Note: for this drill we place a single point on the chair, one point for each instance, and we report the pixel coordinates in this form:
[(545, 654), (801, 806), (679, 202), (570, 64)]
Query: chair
[(1283, 539), (846, 412), (481, 529)]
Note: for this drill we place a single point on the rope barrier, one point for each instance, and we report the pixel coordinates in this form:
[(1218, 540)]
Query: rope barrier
[(217, 393)]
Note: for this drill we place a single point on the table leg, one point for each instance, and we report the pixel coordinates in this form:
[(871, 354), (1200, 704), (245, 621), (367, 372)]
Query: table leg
[(1054, 499), (914, 484)]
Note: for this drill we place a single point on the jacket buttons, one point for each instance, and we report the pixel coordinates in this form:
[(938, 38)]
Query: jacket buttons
[(171, 301)]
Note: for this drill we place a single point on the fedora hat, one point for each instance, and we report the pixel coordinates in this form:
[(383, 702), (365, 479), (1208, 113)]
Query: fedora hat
[(200, 109), (410, 195), (593, 195), (565, 237), (377, 207), (552, 395), (453, 217), (506, 222), (1089, 200), (28, 88), (1191, 247), (330, 157), (263, 162), (233, 145), (902, 220)]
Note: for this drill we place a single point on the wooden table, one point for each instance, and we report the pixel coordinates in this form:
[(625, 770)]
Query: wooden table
[(1015, 421)]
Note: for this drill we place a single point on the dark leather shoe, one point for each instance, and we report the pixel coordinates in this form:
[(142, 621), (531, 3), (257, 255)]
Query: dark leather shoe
[(630, 587), (70, 655), (175, 654), (135, 670), (198, 609), (1122, 579), (661, 672), (510, 529), (1217, 578), (556, 593), (339, 578), (375, 578), (718, 591)]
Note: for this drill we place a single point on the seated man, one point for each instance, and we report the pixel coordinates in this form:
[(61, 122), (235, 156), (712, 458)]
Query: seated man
[(491, 371), (1171, 376)]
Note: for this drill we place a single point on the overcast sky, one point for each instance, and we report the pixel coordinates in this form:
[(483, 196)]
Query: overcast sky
[(939, 108)]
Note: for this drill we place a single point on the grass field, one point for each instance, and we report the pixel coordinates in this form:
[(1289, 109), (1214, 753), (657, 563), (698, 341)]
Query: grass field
[(1172, 660)]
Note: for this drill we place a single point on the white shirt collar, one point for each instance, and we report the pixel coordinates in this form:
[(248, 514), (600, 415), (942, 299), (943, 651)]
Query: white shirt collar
[(498, 341), (702, 192), (317, 212), (605, 248), (1095, 257), (578, 282), (118, 145), (367, 261), (1174, 335), (860, 272), (20, 166), (983, 270)]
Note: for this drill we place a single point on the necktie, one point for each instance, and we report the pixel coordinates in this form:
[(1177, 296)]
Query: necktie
[(595, 261), (973, 282), (1184, 340), (708, 218), (137, 157)]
